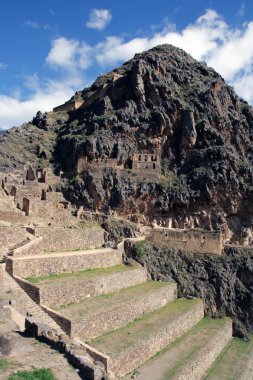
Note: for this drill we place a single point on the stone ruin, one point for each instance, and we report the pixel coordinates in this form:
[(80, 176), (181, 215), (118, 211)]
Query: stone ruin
[(32, 194), (147, 162), (71, 105)]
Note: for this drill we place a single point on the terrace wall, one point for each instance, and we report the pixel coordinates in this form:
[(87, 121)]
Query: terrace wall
[(46, 265), (194, 241)]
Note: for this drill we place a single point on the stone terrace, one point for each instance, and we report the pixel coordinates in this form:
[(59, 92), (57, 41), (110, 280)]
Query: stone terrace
[(62, 262), (85, 291), (97, 316), (127, 318), (190, 356), (32, 193)]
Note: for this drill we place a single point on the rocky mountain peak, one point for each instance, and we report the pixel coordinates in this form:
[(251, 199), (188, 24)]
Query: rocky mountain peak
[(163, 104)]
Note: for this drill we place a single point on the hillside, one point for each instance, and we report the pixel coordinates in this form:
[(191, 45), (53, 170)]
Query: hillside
[(162, 103)]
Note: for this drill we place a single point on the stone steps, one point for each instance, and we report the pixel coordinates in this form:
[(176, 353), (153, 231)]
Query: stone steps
[(191, 356), (32, 309), (75, 287), (235, 362), (130, 346), (97, 316), (63, 262)]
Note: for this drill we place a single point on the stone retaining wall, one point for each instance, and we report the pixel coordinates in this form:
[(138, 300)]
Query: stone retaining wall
[(32, 290), (195, 241), (195, 369), (132, 357), (63, 322), (61, 239), (32, 247), (11, 236), (122, 314), (16, 217), (64, 239), (59, 293), (66, 262)]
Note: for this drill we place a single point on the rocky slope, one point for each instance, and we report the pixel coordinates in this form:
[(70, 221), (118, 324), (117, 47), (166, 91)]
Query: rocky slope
[(165, 102), (32, 142), (224, 283)]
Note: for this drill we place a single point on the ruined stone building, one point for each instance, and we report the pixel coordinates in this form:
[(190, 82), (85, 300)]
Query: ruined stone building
[(83, 163), (146, 161), (139, 161), (71, 105)]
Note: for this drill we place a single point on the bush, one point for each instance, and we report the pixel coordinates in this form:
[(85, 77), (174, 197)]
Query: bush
[(140, 249)]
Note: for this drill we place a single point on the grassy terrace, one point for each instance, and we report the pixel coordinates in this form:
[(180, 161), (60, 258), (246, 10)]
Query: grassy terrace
[(108, 301), (192, 343), (115, 342), (233, 360), (86, 274), (165, 364)]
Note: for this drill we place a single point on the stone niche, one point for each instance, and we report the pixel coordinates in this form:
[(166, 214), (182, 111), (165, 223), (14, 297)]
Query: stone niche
[(194, 241)]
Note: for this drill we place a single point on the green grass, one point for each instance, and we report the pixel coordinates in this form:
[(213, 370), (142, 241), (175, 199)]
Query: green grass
[(86, 273), (6, 364), (38, 374), (236, 352)]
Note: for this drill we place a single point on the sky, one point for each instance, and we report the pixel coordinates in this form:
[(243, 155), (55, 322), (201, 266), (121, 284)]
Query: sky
[(52, 48)]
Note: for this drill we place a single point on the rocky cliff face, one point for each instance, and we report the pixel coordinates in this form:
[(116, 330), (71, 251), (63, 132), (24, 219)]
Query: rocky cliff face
[(161, 102), (224, 283)]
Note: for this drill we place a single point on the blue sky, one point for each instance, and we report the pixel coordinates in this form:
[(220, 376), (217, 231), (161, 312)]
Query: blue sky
[(52, 48)]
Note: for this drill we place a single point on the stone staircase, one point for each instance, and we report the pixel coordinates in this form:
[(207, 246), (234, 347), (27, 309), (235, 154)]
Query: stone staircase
[(29, 307)]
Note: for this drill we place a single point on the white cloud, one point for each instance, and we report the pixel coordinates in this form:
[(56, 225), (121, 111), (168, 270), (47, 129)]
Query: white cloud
[(3, 66), (14, 110), (99, 19), (62, 53), (228, 50), (31, 24), (69, 54)]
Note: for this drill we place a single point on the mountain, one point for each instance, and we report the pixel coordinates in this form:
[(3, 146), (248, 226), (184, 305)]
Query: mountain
[(162, 105)]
